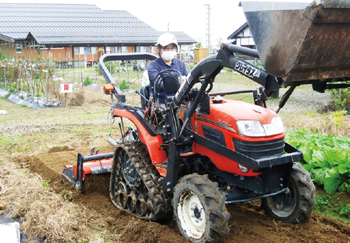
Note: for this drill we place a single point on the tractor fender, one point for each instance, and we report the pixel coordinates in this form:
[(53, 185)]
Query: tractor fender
[(146, 135)]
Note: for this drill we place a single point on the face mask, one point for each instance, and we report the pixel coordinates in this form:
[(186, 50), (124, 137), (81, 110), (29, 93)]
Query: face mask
[(168, 55)]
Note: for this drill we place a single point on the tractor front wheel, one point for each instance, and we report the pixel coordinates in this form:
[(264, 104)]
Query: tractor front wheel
[(296, 204), (199, 209)]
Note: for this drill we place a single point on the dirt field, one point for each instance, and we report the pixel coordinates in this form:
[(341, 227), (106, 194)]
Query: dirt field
[(54, 145), (248, 222)]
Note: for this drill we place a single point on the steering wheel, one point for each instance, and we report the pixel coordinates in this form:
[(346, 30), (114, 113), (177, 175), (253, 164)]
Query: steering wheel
[(171, 82)]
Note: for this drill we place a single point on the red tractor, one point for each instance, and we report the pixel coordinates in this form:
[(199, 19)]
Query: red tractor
[(199, 152)]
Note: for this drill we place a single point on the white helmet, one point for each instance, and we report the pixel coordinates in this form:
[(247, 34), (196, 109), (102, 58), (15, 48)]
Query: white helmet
[(166, 39)]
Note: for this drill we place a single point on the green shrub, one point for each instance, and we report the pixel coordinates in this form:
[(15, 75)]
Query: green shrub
[(198, 45), (2, 56), (12, 88), (111, 67), (340, 98), (87, 81), (124, 85), (97, 70), (36, 76)]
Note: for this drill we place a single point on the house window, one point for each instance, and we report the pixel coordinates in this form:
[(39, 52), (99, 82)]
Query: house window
[(123, 49), (76, 50), (88, 50), (18, 48), (111, 49), (81, 50), (93, 50), (141, 49)]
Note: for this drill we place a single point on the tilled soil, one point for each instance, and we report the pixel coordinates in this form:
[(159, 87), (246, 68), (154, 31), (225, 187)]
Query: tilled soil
[(248, 222)]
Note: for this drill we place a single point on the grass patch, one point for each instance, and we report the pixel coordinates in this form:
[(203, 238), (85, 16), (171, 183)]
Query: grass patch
[(248, 98), (317, 122), (12, 139), (45, 184), (333, 206), (18, 149)]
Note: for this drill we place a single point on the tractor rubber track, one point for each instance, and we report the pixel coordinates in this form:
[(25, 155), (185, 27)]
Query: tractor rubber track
[(161, 204), (151, 178)]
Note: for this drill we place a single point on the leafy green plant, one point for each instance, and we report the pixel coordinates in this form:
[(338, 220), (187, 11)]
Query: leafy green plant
[(97, 70), (338, 117), (36, 76), (111, 66), (67, 195), (328, 205), (345, 209), (326, 157), (87, 81), (2, 56), (340, 98), (45, 184), (124, 85), (198, 45), (12, 88)]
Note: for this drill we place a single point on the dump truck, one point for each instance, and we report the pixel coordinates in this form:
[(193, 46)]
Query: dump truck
[(200, 151)]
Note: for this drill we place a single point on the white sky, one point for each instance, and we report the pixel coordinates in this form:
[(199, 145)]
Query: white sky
[(182, 15)]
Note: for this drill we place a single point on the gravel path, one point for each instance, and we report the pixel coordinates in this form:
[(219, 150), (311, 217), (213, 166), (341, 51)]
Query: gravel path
[(303, 101)]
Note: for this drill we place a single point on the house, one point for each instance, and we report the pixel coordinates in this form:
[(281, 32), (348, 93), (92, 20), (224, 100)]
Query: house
[(242, 37), (75, 31), (5, 38)]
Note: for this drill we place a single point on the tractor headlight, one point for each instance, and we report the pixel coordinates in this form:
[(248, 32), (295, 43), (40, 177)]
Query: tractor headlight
[(256, 129), (250, 128), (276, 127)]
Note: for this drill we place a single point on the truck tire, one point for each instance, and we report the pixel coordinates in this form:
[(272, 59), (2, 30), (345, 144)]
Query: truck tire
[(199, 209), (297, 207)]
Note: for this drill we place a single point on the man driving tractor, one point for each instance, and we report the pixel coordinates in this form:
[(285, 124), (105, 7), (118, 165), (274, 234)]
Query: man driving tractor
[(167, 48)]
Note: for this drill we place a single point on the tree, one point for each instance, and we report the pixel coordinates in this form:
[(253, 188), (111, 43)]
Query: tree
[(219, 41), (198, 45)]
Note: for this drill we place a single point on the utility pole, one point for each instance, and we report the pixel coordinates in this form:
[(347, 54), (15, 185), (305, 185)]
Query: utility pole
[(208, 34)]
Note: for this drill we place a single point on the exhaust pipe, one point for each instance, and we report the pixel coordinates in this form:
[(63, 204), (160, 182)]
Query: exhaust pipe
[(141, 207), (131, 201)]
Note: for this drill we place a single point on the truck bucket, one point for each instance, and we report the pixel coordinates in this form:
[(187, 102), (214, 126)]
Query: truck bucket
[(302, 42)]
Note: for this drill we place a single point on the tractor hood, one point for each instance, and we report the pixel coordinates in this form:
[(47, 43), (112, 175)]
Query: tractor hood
[(231, 111), (239, 117)]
